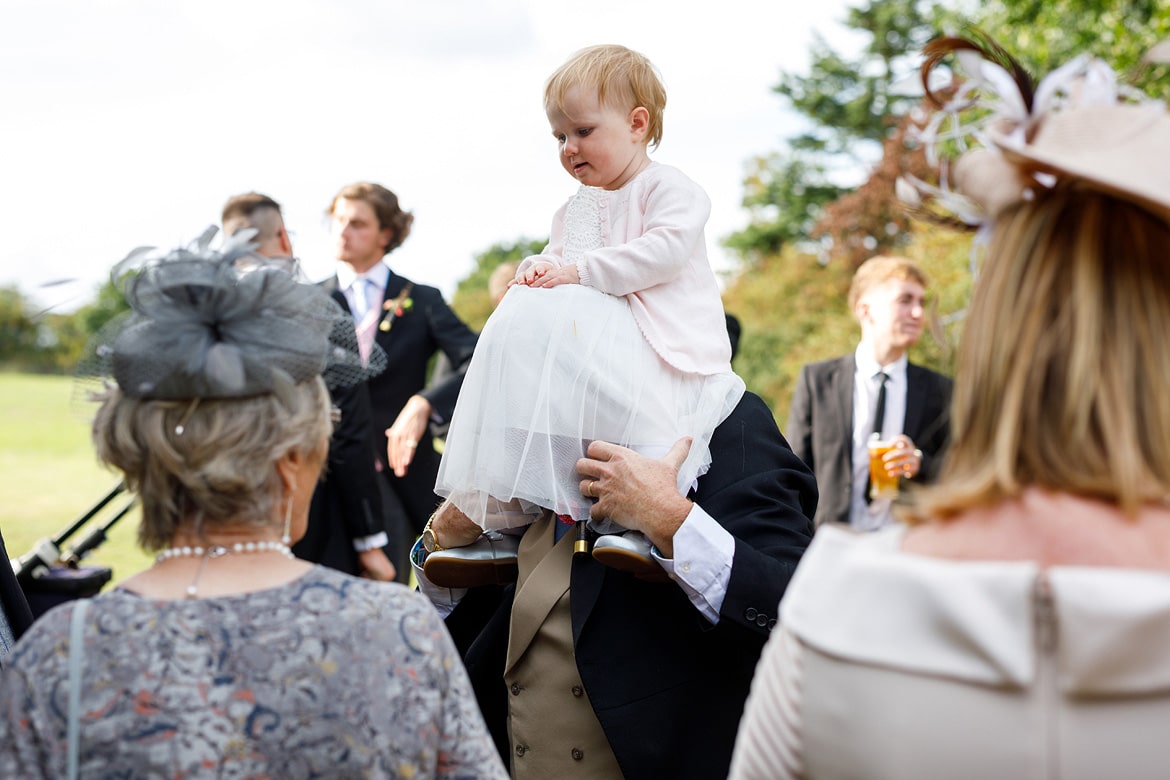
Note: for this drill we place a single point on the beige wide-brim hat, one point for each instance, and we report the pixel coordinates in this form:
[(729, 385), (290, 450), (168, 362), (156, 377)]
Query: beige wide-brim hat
[(1123, 150)]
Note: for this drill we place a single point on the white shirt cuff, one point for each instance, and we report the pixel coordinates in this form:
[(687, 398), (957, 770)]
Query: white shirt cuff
[(365, 543), (444, 599), (703, 553)]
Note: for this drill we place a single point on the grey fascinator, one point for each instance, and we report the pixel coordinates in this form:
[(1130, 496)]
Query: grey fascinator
[(222, 323)]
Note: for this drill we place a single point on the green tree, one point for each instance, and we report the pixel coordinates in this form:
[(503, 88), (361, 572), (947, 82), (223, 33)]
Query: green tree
[(1045, 34), (18, 331), (791, 303), (64, 336), (68, 339), (472, 302), (109, 302), (850, 104), (797, 180), (793, 311)]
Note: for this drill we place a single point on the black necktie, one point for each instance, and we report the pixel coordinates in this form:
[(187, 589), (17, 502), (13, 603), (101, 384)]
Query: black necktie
[(879, 417)]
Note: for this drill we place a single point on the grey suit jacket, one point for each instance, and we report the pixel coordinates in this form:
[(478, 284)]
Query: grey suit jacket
[(820, 427)]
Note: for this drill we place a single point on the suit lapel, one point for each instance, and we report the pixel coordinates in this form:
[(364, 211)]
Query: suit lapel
[(394, 288), (915, 403), (843, 373), (544, 579), (394, 285)]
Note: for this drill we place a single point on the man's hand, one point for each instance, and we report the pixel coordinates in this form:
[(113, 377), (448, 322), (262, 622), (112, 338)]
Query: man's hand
[(403, 437), (638, 492), (376, 566), (904, 460)]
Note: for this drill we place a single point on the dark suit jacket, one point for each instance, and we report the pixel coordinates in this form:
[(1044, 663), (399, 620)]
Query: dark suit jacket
[(425, 327), (668, 687), (347, 504), (820, 427)]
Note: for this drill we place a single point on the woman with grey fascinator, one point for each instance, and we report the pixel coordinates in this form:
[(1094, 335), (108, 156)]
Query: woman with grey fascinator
[(229, 657), (1018, 624)]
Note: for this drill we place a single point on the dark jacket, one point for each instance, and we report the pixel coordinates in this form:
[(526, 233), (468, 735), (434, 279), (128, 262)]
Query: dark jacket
[(820, 427), (667, 686), (426, 325)]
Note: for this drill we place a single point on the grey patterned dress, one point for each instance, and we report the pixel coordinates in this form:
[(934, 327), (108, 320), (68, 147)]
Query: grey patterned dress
[(327, 676)]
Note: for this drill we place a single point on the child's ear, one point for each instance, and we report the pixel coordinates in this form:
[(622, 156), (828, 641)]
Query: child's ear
[(639, 122)]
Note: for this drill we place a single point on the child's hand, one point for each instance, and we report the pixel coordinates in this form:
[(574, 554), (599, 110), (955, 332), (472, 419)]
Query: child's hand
[(534, 272), (566, 274)]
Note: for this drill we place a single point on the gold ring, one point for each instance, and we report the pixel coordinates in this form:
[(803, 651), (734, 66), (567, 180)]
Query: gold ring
[(411, 443), (592, 492)]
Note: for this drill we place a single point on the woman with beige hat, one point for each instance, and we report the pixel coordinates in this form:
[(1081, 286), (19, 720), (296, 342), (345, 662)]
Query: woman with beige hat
[(1018, 626)]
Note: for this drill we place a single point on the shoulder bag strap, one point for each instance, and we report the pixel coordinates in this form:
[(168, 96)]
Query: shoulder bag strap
[(76, 653)]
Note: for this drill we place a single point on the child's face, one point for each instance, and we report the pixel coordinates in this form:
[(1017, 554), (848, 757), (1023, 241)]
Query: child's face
[(600, 145)]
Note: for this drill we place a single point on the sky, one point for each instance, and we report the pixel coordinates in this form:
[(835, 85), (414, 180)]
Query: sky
[(127, 123)]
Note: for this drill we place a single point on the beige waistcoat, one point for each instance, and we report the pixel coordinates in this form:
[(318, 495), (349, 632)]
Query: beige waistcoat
[(552, 726)]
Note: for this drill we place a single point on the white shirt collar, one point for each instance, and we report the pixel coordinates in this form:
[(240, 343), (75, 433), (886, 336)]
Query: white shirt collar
[(379, 275), (868, 367)]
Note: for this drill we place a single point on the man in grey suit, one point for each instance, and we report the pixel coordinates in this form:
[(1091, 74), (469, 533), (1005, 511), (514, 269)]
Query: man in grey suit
[(838, 404)]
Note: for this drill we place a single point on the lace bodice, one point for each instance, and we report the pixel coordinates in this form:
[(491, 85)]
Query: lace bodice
[(583, 223)]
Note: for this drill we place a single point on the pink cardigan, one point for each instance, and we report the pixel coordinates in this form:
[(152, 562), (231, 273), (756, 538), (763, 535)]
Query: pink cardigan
[(655, 254)]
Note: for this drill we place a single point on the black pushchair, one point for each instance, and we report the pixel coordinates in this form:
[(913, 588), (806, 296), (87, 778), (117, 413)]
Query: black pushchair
[(50, 573)]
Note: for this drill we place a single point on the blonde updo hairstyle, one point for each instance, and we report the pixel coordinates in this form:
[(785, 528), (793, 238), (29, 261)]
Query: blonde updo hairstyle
[(221, 469), (1063, 375)]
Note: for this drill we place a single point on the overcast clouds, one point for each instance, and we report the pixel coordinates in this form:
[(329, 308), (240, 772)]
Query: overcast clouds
[(129, 122)]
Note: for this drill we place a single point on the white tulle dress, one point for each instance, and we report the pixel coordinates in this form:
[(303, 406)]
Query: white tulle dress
[(555, 369)]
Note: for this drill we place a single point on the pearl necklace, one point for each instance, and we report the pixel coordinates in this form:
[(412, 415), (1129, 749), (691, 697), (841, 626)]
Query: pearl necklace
[(218, 551)]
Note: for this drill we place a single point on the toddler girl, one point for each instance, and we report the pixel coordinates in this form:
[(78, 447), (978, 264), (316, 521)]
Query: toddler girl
[(616, 331)]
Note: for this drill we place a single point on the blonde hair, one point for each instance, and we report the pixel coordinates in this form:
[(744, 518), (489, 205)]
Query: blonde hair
[(222, 468), (622, 78), (880, 269), (1063, 377), (498, 281)]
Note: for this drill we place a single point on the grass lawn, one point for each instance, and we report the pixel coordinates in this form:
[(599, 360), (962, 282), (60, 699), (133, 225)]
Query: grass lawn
[(49, 476)]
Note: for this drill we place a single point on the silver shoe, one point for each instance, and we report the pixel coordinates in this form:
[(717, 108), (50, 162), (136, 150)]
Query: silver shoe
[(629, 552), (489, 560)]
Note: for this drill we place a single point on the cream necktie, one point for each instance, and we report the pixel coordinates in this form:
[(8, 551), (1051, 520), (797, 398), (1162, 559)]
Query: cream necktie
[(361, 297)]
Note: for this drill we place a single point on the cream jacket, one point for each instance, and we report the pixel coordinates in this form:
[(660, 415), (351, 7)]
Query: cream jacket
[(655, 254), (892, 665)]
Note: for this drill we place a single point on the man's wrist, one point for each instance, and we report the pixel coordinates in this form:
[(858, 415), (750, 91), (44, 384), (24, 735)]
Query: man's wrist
[(429, 539), (673, 519)]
